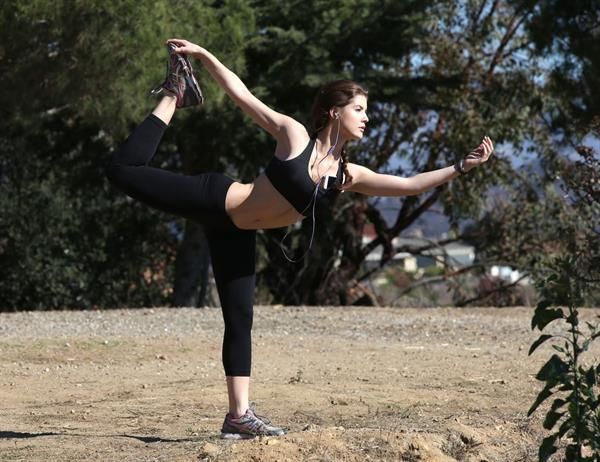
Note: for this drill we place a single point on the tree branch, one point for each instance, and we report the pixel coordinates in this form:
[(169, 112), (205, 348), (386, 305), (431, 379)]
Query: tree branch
[(417, 251), (512, 28), (490, 292), (403, 222), (433, 279), (478, 14)]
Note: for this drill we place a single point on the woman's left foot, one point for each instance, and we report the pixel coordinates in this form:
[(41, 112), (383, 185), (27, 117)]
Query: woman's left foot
[(180, 80), (248, 426)]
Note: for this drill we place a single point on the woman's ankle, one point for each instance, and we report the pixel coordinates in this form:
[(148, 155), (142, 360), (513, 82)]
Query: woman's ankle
[(166, 108), (237, 413)]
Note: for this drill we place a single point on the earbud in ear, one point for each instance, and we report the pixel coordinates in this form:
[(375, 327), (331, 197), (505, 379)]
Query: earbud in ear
[(337, 116)]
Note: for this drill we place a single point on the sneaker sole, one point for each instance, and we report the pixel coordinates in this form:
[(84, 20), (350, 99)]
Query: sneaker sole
[(195, 87), (237, 436)]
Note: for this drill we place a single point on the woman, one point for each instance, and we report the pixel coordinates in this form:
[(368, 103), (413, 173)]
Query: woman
[(307, 171)]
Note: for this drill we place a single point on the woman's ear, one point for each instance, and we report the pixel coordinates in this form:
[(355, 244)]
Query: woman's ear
[(333, 113)]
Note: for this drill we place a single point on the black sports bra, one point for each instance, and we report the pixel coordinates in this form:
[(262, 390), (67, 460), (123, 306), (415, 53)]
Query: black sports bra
[(291, 179)]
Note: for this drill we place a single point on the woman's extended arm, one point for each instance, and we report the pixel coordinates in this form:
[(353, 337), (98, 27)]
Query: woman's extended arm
[(272, 121), (368, 182)]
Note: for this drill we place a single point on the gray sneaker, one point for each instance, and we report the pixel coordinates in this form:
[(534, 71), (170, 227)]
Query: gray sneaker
[(180, 80), (248, 426)]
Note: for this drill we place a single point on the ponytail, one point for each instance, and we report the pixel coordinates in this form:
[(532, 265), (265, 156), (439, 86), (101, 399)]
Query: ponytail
[(347, 177)]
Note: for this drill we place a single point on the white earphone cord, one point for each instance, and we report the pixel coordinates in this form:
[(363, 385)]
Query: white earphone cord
[(313, 201)]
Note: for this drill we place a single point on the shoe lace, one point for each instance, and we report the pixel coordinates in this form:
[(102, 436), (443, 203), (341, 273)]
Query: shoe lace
[(170, 81), (172, 78), (259, 417), (262, 419)]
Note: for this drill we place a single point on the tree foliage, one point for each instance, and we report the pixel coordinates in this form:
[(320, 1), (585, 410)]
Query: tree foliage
[(455, 72), (75, 78), (569, 32)]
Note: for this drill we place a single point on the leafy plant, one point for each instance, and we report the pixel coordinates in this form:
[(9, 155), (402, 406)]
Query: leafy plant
[(563, 372)]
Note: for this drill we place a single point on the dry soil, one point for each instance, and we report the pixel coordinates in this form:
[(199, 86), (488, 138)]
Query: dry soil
[(349, 384)]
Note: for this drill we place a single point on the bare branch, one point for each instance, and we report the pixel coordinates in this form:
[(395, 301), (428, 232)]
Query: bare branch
[(434, 279), (490, 292), (388, 146), (515, 49), (478, 14), (403, 222), (490, 14), (511, 29), (419, 250)]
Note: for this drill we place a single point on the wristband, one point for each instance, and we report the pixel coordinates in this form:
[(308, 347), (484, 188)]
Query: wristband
[(460, 166)]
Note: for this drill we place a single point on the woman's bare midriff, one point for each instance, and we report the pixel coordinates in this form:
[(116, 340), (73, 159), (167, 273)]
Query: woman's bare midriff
[(259, 205)]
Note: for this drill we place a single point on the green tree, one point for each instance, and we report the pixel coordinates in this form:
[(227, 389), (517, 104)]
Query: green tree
[(75, 79), (553, 210), (441, 76), (570, 33)]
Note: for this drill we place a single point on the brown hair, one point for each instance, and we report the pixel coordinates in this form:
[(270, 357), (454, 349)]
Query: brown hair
[(335, 94)]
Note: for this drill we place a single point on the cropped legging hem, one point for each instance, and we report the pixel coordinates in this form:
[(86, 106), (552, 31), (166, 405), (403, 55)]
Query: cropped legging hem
[(200, 198), (237, 373)]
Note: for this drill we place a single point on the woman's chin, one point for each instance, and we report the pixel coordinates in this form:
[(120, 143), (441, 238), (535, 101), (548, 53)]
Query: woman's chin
[(354, 136)]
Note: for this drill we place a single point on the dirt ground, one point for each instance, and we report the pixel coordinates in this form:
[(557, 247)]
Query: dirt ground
[(350, 384)]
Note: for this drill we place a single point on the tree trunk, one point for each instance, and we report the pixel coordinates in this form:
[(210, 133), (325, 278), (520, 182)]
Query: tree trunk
[(327, 275), (191, 268)]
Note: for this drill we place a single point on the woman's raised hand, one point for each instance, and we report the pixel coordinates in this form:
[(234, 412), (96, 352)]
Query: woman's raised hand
[(186, 47), (480, 154)]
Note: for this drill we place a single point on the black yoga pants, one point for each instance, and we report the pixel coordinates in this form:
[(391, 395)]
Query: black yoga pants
[(200, 198)]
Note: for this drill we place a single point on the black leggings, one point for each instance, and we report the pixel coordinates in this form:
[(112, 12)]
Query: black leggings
[(200, 198)]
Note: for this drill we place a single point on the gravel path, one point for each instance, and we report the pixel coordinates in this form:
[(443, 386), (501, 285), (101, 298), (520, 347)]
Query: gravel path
[(343, 321)]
